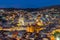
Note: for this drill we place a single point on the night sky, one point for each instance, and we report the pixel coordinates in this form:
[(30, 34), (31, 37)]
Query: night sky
[(27, 3)]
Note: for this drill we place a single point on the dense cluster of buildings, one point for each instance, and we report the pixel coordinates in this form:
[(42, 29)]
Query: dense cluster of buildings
[(29, 25)]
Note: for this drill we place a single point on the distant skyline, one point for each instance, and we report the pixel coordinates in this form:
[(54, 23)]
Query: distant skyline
[(28, 3)]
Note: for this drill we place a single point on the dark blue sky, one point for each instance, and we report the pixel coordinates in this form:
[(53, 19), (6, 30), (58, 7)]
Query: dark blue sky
[(27, 3)]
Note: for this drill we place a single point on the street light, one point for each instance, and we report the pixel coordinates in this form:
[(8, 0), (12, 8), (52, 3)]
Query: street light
[(57, 38)]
